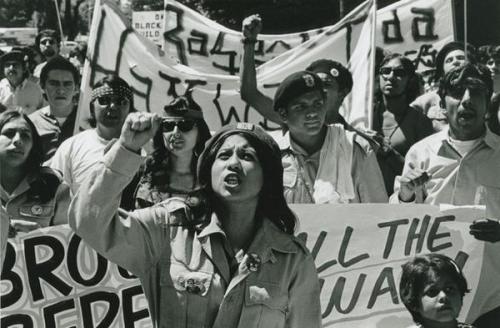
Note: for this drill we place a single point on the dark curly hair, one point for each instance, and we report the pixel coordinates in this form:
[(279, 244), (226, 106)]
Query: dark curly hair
[(422, 270)]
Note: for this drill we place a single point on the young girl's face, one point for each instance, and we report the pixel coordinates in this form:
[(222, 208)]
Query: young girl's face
[(441, 300), (16, 141)]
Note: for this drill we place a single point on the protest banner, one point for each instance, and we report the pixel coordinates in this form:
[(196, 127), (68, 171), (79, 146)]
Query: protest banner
[(415, 28), (209, 47), (359, 250), (156, 77), (149, 24), (53, 279)]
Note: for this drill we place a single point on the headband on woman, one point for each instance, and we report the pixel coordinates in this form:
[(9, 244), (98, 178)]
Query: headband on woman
[(106, 90)]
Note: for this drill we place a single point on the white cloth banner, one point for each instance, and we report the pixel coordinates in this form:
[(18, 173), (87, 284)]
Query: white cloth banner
[(359, 250), (51, 278), (156, 78)]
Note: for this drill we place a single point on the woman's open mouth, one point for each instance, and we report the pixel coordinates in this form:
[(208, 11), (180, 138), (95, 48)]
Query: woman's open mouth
[(232, 180)]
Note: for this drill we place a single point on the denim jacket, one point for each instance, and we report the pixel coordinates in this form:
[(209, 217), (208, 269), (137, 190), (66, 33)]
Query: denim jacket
[(184, 271)]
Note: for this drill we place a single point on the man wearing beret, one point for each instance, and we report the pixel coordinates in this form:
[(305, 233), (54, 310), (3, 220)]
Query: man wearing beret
[(322, 163), (16, 90), (337, 81)]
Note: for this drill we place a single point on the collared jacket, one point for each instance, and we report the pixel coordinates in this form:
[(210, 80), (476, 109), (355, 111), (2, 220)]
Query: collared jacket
[(21, 205), (366, 175), (51, 132), (184, 271), (470, 180)]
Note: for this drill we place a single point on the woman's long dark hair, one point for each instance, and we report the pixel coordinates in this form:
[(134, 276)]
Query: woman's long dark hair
[(44, 185), (272, 203), (157, 165)]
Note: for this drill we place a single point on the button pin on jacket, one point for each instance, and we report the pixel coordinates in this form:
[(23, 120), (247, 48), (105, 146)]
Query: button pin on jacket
[(194, 286), (253, 262), (36, 210)]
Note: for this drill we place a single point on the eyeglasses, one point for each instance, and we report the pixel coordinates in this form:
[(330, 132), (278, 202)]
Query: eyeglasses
[(398, 71), (107, 100), (184, 125), (48, 41)]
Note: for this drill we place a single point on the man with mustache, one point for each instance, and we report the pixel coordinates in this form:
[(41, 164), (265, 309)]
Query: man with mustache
[(442, 167), (16, 89), (111, 102), (48, 42), (55, 123), (458, 165)]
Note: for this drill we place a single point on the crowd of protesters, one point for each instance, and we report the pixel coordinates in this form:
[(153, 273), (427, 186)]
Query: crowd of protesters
[(219, 203)]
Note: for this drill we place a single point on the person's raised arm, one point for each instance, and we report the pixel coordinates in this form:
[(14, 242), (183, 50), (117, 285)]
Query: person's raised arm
[(251, 27), (132, 240)]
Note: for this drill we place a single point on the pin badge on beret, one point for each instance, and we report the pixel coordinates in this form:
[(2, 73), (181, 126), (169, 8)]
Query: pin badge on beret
[(253, 262), (334, 72), (244, 126), (308, 80)]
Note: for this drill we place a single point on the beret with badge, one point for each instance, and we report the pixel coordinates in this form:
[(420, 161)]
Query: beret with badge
[(294, 86)]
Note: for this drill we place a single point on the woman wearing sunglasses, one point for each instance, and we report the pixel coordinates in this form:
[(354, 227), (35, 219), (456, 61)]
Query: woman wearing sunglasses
[(171, 169), (398, 126)]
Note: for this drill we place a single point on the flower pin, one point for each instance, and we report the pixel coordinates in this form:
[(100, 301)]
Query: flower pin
[(253, 262)]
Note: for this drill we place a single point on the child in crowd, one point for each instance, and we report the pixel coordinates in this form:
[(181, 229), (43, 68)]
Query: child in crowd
[(432, 288)]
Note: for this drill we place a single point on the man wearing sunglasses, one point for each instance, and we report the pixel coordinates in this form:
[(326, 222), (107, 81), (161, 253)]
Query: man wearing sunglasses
[(456, 166), (55, 123), (48, 42), (111, 102)]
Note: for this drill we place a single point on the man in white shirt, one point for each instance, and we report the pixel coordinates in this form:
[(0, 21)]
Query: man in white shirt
[(111, 102), (48, 41), (16, 90), (460, 164)]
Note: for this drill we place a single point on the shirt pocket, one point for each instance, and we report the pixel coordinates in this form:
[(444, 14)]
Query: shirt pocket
[(41, 213), (267, 302), (490, 184), (185, 296)]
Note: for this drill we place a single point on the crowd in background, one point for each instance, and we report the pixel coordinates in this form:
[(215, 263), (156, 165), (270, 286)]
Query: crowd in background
[(232, 189)]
